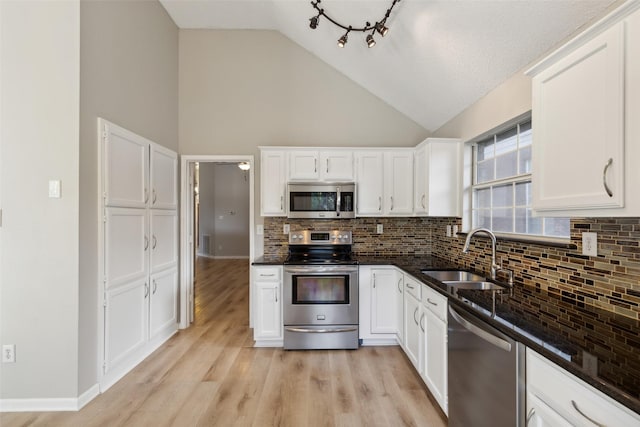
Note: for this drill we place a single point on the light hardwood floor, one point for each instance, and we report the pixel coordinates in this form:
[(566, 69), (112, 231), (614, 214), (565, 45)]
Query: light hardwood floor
[(210, 375)]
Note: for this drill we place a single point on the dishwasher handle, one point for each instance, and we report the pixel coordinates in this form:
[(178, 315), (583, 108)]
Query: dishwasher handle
[(480, 332)]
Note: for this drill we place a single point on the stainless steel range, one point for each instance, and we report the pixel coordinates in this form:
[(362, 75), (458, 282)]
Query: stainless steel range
[(320, 291)]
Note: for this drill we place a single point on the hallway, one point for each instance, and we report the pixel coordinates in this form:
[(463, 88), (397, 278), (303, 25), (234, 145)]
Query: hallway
[(209, 375)]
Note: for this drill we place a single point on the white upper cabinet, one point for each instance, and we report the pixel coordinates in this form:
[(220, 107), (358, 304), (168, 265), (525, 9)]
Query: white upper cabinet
[(586, 100), (126, 165), (164, 178), (323, 165), (437, 178), (164, 239), (398, 182), (369, 182), (272, 182)]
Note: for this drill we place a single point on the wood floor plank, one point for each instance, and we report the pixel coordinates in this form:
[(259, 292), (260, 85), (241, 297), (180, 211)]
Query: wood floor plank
[(211, 375)]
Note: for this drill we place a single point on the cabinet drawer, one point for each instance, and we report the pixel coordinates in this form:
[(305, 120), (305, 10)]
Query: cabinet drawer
[(572, 398), (267, 274), (413, 287), (435, 302)]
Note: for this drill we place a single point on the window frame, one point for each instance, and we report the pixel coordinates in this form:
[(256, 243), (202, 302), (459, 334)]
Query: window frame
[(470, 186)]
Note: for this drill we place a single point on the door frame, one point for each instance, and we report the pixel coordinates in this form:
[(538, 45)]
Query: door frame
[(187, 240)]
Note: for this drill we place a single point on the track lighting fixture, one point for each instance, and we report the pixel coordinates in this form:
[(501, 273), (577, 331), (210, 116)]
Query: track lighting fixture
[(379, 26)]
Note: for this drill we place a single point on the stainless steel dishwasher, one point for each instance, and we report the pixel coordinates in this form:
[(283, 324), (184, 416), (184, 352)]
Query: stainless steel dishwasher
[(486, 374)]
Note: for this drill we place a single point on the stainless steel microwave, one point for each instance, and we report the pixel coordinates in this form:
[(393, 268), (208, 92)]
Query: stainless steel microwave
[(321, 200)]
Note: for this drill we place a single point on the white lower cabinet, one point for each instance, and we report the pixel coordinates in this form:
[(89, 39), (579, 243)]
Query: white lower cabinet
[(556, 397), (412, 315), (434, 340), (383, 296), (163, 304), (268, 322)]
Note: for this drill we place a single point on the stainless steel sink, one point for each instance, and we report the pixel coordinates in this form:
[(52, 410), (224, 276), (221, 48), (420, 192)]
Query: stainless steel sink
[(454, 276), (480, 285)]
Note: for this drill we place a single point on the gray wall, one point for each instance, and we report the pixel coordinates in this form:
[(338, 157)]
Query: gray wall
[(224, 209), (243, 89), (129, 76), (40, 86)]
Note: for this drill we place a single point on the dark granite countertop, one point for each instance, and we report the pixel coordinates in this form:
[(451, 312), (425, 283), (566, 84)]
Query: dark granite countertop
[(600, 347), (269, 260)]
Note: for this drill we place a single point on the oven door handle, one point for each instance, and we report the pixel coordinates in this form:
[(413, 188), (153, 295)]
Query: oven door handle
[(318, 269), (319, 331)]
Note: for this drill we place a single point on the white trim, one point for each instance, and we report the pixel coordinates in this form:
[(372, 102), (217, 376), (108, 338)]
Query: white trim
[(186, 261), (379, 342), (268, 343), (50, 405), (612, 18), (223, 257)]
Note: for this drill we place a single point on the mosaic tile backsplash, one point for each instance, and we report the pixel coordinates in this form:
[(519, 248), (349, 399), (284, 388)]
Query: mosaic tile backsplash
[(610, 281)]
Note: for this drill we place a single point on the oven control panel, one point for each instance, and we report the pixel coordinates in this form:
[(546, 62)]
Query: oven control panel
[(331, 237)]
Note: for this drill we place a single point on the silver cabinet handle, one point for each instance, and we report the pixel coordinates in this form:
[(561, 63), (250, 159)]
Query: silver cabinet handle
[(431, 302), (422, 201), (315, 165), (146, 243), (327, 165), (391, 207), (146, 289), (281, 203), (379, 203), (374, 280), (399, 283), (604, 177), (529, 416), (267, 275), (146, 196), (421, 325), (414, 315), (275, 293), (575, 406), (155, 196), (155, 286), (155, 242), (319, 331), (409, 286)]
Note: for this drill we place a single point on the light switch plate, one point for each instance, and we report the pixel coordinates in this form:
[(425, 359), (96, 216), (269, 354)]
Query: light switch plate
[(54, 188), (590, 244), (448, 233), (286, 228), (379, 228), (259, 229)]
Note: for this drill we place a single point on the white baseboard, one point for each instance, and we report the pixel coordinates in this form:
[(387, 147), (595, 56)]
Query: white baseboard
[(379, 342), (269, 343), (224, 257), (50, 405)]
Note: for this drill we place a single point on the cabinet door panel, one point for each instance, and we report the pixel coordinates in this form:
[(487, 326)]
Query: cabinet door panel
[(369, 181), (163, 308), (164, 239), (398, 183), (126, 167), (578, 111), (336, 165), (435, 357), (383, 297), (126, 245), (272, 183), (164, 178), (126, 315), (268, 323), (412, 332), (303, 165)]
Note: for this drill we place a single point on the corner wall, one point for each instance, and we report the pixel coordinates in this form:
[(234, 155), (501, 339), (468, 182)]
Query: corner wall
[(39, 130), (129, 76)]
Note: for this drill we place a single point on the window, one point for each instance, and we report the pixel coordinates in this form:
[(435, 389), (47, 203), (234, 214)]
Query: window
[(501, 186)]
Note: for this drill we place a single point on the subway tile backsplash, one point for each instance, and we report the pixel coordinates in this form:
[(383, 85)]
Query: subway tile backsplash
[(610, 281)]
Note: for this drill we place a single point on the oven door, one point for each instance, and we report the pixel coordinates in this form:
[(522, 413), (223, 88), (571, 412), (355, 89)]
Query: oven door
[(320, 295)]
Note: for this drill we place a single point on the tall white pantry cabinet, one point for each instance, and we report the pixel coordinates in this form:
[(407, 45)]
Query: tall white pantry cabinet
[(139, 242)]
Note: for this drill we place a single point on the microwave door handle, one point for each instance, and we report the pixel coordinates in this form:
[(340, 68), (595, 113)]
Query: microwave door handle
[(338, 201)]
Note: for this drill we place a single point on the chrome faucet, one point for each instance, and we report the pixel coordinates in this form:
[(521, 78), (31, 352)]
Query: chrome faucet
[(495, 268)]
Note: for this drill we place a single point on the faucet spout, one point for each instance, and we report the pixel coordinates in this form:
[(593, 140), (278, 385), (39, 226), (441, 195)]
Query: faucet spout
[(465, 249)]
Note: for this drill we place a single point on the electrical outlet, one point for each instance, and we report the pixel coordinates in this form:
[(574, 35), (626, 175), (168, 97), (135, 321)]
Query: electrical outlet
[(589, 363), (54, 188), (590, 244), (8, 353), (455, 229), (379, 228), (448, 230), (286, 228)]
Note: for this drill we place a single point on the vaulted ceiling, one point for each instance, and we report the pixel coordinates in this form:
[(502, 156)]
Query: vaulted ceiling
[(438, 58)]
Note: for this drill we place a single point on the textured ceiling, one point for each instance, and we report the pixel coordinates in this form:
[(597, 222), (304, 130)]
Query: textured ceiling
[(438, 58)]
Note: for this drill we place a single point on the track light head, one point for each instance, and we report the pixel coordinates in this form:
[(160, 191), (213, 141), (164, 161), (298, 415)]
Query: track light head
[(313, 24), (382, 29), (343, 40), (370, 41)]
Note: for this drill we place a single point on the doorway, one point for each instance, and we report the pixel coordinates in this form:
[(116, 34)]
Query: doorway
[(198, 238)]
